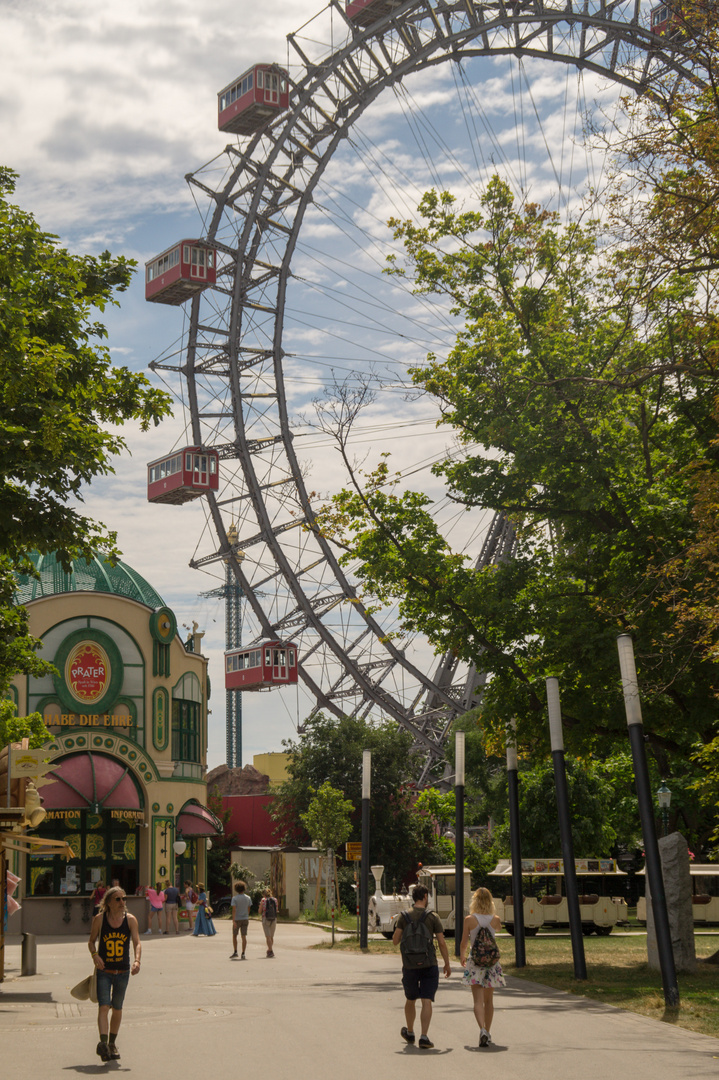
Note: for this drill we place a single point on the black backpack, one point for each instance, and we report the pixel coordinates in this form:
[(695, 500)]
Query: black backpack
[(417, 944), (270, 908), (485, 951)]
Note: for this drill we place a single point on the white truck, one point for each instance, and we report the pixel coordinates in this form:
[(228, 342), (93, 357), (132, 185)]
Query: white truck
[(599, 912), (439, 880)]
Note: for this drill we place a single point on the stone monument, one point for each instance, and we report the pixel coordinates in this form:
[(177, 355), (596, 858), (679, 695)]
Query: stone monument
[(674, 855)]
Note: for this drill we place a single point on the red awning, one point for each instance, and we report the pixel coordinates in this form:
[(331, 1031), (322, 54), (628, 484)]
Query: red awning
[(85, 781), (197, 820)]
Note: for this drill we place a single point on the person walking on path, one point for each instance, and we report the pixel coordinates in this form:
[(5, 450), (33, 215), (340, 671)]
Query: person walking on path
[(190, 898), (203, 922), (268, 914), (156, 899), (241, 905), (414, 933), (479, 956), (113, 928), (172, 899)]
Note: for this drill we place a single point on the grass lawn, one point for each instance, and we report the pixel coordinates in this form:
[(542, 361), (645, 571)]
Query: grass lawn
[(617, 972)]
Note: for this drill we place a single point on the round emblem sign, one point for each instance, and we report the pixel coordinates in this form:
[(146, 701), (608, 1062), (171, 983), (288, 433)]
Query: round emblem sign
[(87, 672)]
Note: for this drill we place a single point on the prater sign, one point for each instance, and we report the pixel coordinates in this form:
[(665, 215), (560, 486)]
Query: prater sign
[(87, 672)]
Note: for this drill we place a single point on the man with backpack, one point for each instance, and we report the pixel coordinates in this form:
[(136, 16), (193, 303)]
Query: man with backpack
[(268, 912), (415, 931)]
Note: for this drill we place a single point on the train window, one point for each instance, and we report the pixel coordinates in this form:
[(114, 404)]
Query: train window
[(213, 465), (186, 253), (291, 657), (268, 657), (283, 659), (188, 462), (259, 80)]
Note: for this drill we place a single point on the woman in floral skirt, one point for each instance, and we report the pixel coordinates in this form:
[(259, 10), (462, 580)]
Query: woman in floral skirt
[(482, 978)]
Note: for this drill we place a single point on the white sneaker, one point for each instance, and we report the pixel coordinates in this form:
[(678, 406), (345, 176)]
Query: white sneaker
[(483, 1038), (148, 931)]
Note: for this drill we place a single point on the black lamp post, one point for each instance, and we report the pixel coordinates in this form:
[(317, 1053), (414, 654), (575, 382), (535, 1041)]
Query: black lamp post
[(364, 865), (664, 798), (515, 846), (565, 827), (458, 840), (633, 709)]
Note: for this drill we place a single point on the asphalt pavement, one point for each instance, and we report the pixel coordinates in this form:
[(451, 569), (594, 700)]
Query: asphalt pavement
[(315, 1015)]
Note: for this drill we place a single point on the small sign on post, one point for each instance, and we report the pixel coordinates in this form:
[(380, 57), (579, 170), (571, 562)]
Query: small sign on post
[(353, 851), (30, 763)]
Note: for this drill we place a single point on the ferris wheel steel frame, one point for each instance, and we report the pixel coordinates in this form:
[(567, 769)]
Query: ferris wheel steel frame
[(254, 220)]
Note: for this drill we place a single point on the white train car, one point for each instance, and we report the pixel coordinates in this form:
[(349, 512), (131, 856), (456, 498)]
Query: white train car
[(599, 911), (439, 880), (705, 895)]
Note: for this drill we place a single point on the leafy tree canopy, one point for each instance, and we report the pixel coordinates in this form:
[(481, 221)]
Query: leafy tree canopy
[(328, 818), (330, 751), (61, 402)]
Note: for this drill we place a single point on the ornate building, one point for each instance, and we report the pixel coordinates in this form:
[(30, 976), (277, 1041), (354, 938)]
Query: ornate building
[(127, 711)]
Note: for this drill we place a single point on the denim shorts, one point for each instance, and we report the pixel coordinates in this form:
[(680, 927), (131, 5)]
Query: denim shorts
[(111, 987), (420, 982)]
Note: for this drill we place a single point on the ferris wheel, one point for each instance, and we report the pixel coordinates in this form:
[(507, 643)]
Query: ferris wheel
[(273, 301)]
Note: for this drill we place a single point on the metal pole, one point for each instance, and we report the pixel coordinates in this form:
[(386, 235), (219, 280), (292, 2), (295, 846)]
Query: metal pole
[(635, 723), (364, 865), (458, 840), (565, 828), (520, 958)]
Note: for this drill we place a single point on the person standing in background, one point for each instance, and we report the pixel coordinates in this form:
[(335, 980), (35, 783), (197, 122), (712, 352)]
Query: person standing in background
[(241, 905), (204, 924), (190, 898), (156, 899), (268, 914), (172, 899), (97, 895)]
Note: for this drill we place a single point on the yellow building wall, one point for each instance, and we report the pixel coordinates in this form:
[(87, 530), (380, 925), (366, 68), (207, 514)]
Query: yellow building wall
[(273, 765)]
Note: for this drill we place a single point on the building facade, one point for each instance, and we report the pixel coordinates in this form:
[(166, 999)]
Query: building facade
[(127, 712)]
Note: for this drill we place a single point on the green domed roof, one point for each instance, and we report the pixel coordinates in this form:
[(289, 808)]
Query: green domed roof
[(95, 576)]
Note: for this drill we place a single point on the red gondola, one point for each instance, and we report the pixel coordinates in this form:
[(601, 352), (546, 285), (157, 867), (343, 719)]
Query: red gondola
[(364, 12), (253, 99), (659, 19), (260, 667), (183, 475), (672, 20), (180, 272)]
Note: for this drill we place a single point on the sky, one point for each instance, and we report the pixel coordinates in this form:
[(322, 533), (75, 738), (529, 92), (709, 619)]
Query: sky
[(104, 108)]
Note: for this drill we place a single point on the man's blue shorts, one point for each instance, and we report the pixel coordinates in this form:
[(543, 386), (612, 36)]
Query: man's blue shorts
[(420, 982), (111, 987)]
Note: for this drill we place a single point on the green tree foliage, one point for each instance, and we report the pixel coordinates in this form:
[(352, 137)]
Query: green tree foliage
[(328, 818), (572, 379), (330, 750), (61, 402), (13, 729)]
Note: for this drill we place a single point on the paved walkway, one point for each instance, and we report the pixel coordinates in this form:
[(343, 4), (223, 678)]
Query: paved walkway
[(315, 1015)]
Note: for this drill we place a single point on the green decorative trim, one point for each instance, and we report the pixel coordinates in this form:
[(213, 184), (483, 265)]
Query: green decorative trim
[(13, 695), (96, 637), (156, 808), (160, 718), (170, 808)]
